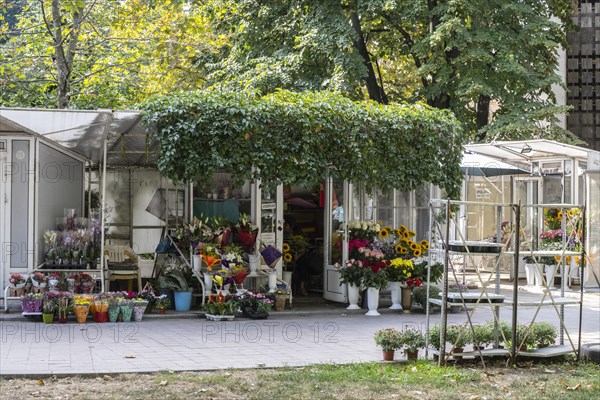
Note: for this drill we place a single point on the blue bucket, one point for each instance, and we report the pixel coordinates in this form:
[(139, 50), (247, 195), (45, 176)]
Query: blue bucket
[(183, 301)]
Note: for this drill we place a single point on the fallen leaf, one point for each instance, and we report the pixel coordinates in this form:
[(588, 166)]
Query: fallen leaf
[(578, 386), (129, 356), (163, 383), (414, 369), (107, 378), (41, 382), (549, 371)]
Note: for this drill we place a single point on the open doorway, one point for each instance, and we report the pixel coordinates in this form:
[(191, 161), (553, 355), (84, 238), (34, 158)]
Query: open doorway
[(304, 234)]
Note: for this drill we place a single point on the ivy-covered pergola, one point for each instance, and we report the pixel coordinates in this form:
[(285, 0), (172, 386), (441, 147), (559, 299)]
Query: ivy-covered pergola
[(295, 138)]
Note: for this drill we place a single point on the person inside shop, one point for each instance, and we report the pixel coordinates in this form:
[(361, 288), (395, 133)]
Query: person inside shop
[(301, 269), (338, 212)]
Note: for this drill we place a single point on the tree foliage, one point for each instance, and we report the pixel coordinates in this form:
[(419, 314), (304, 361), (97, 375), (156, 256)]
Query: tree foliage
[(91, 54), (295, 137), (492, 62)]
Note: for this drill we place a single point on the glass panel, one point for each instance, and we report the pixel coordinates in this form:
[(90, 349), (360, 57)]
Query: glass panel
[(337, 218), (422, 211), (567, 197), (385, 209), (552, 189)]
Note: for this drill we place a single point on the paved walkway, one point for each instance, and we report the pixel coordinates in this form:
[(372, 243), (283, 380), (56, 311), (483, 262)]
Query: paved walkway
[(292, 338)]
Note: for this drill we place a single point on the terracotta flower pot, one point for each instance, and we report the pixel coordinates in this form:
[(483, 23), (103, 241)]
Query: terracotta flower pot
[(412, 355), (81, 314), (388, 355)]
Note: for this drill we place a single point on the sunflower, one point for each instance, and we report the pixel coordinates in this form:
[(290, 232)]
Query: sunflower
[(397, 232), (286, 248), (403, 251), (559, 215), (403, 228), (417, 252), (412, 233), (383, 233), (414, 246), (424, 243), (287, 257), (399, 248)]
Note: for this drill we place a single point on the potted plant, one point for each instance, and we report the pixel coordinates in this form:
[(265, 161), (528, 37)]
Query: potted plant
[(434, 336), (544, 333), (146, 264), (255, 305), (176, 281), (484, 336), (161, 303), (280, 299), (352, 275), (220, 308), (458, 336), (81, 309), (390, 340), (419, 295), (48, 313), (412, 340), (64, 307)]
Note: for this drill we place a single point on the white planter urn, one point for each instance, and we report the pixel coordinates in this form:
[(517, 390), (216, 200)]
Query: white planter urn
[(287, 278), (272, 281), (197, 262), (207, 284), (396, 296), (253, 261), (550, 272), (372, 302), (530, 273), (353, 294)]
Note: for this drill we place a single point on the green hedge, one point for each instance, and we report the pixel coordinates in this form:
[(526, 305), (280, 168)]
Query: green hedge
[(295, 137)]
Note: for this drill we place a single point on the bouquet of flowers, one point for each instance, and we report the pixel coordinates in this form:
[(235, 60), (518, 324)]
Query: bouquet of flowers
[(351, 272), (293, 248), (38, 279), (17, 280), (399, 270)]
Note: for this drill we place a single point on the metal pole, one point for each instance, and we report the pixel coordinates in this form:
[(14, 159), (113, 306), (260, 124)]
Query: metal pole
[(581, 266), (442, 337), (513, 350), (103, 205)]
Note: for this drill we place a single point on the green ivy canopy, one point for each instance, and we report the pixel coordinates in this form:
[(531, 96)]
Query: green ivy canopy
[(294, 138)]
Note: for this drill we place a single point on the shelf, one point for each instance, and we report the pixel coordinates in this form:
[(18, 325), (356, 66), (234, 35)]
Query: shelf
[(27, 314), (547, 302), (550, 351), (474, 247), (543, 253)]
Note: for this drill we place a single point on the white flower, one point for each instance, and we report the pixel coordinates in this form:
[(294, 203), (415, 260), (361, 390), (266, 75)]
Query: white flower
[(364, 226)]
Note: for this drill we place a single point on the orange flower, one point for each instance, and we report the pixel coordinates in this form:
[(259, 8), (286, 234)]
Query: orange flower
[(210, 261)]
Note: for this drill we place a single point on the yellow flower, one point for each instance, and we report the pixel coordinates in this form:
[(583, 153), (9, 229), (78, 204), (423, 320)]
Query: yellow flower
[(411, 233), (383, 233), (403, 228), (559, 215), (408, 275), (425, 244), (285, 248), (399, 248), (413, 246), (397, 232), (287, 257), (417, 253), (403, 251)]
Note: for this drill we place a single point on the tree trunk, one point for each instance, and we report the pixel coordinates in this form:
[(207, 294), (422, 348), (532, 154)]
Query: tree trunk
[(64, 50), (482, 117), (375, 91)]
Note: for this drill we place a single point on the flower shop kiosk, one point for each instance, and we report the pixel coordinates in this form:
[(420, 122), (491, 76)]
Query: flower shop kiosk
[(40, 179)]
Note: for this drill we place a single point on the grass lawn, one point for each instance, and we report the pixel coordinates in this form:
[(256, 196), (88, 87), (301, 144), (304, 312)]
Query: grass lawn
[(419, 380)]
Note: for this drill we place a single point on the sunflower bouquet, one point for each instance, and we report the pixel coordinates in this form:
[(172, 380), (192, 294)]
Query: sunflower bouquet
[(293, 248), (406, 247)]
